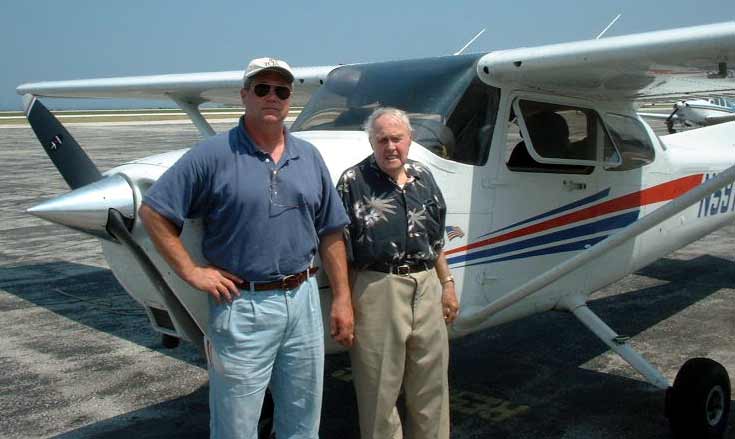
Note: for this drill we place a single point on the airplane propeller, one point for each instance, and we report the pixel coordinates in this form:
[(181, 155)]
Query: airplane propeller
[(73, 164), (670, 120), (102, 206)]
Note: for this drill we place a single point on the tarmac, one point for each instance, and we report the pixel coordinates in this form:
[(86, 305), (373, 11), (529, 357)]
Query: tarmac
[(79, 359)]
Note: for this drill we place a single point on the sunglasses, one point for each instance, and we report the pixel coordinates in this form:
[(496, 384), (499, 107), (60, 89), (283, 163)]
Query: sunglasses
[(262, 90)]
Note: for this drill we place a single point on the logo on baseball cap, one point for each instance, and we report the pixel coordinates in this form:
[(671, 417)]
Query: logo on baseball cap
[(263, 64)]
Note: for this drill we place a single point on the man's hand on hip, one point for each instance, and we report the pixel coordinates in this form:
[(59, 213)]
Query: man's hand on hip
[(219, 284)]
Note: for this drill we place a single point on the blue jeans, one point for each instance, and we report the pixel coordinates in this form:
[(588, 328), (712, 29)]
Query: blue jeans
[(264, 337)]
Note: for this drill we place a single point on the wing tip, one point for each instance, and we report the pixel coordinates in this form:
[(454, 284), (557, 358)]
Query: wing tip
[(28, 101)]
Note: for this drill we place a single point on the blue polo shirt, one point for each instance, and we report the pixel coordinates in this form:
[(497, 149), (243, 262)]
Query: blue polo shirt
[(261, 220)]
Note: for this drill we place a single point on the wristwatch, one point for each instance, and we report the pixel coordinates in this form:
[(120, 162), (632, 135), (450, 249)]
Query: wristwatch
[(447, 279)]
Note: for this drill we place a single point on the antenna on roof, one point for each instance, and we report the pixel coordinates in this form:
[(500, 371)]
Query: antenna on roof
[(608, 27), (459, 52)]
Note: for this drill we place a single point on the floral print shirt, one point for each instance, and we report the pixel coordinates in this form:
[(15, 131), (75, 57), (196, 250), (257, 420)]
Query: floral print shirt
[(389, 224)]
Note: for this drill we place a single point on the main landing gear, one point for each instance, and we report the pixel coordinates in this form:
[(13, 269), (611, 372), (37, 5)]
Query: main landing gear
[(697, 405)]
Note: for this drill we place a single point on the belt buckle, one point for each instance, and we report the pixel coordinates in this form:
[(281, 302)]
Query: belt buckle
[(403, 269), (285, 281)]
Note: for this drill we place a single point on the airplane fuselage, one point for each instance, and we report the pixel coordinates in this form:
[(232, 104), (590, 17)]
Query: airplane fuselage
[(704, 112), (511, 226), (531, 180)]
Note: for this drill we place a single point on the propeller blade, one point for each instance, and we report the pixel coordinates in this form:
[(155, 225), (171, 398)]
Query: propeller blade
[(72, 162), (673, 113), (670, 120)]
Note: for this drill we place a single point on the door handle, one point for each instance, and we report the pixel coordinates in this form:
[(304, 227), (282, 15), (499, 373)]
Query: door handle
[(571, 185)]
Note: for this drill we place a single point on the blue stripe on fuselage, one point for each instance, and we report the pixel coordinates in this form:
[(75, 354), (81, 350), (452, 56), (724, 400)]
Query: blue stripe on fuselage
[(572, 246), (578, 203), (614, 222)]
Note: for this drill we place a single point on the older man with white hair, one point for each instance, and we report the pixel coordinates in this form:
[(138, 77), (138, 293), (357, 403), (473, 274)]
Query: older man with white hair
[(403, 291)]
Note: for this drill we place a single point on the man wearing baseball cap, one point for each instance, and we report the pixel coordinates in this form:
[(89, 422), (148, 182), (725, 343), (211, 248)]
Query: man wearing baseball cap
[(268, 204)]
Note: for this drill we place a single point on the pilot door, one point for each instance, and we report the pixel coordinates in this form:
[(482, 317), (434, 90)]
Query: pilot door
[(547, 184)]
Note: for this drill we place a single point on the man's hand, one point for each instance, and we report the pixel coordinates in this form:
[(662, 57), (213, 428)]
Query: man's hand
[(450, 306), (219, 284), (165, 236), (341, 318), (341, 321)]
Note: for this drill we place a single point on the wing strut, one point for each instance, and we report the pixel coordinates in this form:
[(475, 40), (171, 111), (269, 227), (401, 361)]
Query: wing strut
[(577, 306), (642, 225), (192, 110)]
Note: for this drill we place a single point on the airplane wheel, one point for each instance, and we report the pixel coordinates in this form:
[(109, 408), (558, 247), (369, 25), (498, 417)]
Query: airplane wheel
[(169, 341), (698, 404), (265, 423)]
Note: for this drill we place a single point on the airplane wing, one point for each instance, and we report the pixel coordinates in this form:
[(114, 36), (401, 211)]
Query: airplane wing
[(660, 116), (662, 64), (194, 88), (712, 120)]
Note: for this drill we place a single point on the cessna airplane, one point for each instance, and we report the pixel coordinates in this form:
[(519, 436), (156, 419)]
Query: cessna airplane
[(555, 185), (697, 113)]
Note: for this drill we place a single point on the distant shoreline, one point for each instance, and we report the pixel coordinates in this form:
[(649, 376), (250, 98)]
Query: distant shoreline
[(132, 115)]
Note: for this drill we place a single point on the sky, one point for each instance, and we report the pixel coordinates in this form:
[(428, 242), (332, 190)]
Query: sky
[(74, 39)]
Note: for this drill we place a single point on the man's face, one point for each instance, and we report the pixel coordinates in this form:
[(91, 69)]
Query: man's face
[(269, 108), (390, 142)]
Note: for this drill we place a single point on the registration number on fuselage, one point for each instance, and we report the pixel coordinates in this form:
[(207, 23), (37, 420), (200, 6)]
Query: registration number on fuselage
[(719, 202)]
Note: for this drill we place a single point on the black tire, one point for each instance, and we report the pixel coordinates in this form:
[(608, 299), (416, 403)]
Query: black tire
[(265, 423), (170, 341), (698, 404)]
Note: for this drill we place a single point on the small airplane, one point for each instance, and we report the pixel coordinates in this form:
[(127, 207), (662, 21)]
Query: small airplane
[(697, 113), (555, 186)]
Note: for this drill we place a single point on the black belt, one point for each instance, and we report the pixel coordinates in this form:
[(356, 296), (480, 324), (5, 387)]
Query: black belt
[(404, 268), (285, 283)]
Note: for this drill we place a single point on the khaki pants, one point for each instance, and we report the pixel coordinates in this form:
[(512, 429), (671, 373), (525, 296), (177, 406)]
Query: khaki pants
[(400, 339)]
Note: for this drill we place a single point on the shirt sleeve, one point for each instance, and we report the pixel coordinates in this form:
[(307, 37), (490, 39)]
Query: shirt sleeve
[(437, 242), (180, 192), (343, 189), (331, 214)]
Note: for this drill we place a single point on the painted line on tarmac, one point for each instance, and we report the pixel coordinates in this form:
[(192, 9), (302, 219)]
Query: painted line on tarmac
[(486, 407)]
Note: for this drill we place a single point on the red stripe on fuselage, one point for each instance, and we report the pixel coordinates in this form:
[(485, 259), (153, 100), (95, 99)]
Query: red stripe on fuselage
[(656, 194)]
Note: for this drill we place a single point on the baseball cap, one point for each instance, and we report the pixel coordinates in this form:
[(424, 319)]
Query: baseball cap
[(263, 64)]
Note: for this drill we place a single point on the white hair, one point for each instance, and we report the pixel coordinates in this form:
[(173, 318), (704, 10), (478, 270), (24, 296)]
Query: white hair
[(400, 115)]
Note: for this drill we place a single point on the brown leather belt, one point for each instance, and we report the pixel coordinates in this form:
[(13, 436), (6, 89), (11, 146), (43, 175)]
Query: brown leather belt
[(401, 268), (285, 283)]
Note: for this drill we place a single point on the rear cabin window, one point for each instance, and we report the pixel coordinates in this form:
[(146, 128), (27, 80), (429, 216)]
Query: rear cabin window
[(631, 139), (563, 139)]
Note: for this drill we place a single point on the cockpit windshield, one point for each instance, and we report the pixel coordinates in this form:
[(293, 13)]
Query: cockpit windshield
[(442, 97)]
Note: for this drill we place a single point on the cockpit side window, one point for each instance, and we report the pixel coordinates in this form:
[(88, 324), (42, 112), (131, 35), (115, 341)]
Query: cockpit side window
[(468, 132)]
